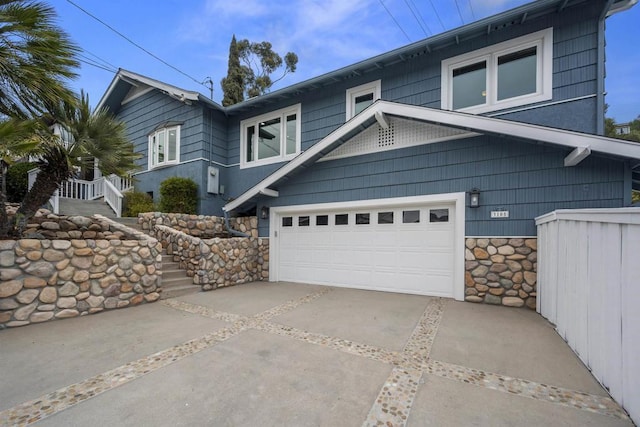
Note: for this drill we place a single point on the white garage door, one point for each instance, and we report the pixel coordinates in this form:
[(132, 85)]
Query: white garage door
[(407, 249)]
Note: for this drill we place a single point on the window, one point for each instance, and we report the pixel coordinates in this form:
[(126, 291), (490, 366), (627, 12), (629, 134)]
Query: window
[(438, 215), (164, 147), (385, 217), (410, 217), (342, 219), (360, 97), (362, 218), (506, 75), (270, 138), (322, 220), (287, 221), (303, 221)]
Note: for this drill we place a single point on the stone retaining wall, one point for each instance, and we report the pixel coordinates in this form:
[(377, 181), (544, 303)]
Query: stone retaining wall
[(217, 262), (501, 271), (42, 279), (198, 225)]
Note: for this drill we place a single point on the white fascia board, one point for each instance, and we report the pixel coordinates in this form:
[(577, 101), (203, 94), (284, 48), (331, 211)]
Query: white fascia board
[(471, 122), (131, 78), (576, 156), (107, 93), (334, 136), (170, 89), (532, 132)]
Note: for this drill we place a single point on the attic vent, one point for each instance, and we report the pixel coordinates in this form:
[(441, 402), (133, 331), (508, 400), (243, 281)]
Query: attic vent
[(400, 133), (387, 137)]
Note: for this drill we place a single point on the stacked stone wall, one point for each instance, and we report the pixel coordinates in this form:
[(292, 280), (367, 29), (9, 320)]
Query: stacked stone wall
[(202, 226), (501, 271), (43, 279), (217, 262)]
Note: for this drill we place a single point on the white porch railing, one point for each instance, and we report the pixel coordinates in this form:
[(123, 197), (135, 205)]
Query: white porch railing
[(113, 197), (111, 188)]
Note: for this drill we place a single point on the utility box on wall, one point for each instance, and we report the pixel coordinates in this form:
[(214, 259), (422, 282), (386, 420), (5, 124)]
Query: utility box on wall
[(213, 180)]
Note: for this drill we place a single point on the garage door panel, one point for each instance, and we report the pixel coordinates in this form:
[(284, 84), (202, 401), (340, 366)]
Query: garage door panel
[(401, 257)]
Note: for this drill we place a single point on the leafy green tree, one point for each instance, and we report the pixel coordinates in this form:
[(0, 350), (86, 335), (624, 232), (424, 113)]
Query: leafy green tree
[(233, 84), (36, 58), (610, 130), (90, 135), (251, 65)]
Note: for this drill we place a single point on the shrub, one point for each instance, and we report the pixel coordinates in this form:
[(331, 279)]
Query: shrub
[(178, 195), (18, 181), (136, 202)]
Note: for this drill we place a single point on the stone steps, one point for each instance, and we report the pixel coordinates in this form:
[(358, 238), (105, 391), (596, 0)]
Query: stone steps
[(85, 207), (130, 222), (175, 281)]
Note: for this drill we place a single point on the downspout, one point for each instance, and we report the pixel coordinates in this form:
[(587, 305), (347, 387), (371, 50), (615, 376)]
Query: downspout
[(601, 71), (230, 230)]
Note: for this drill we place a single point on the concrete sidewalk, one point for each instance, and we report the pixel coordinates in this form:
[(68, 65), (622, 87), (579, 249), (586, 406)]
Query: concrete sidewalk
[(292, 354)]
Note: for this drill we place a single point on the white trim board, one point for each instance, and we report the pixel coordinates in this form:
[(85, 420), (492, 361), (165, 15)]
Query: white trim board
[(465, 121)]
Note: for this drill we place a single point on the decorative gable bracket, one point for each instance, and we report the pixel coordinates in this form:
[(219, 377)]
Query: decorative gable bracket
[(577, 155)]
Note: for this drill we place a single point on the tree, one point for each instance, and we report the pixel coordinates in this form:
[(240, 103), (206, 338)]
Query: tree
[(89, 136), (610, 130), (36, 58), (233, 84), (251, 65)]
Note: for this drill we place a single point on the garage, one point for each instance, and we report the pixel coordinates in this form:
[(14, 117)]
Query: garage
[(401, 245)]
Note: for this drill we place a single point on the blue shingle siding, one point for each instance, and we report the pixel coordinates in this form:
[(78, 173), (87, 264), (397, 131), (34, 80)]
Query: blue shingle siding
[(494, 164), (144, 113), (524, 178), (417, 81)]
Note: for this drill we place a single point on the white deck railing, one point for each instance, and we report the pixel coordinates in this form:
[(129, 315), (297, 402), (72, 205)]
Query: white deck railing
[(111, 188), (113, 197)]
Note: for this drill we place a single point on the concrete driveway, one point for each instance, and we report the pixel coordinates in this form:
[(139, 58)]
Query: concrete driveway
[(301, 355)]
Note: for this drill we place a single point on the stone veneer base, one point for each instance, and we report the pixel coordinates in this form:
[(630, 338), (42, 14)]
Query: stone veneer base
[(501, 271)]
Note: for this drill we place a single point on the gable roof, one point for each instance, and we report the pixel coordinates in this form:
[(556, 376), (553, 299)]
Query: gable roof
[(516, 16), (582, 143), (125, 80)]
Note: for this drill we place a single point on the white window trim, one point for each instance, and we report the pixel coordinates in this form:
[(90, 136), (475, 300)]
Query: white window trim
[(166, 163), (254, 121), (543, 40), (354, 92)]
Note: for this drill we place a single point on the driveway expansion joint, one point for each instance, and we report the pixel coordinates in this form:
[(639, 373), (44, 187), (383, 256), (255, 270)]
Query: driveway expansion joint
[(393, 404)]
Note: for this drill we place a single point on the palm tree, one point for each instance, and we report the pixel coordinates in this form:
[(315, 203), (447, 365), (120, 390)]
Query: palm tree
[(90, 136), (36, 59)]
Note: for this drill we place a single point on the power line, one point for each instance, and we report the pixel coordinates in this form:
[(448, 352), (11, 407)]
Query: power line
[(394, 20), (437, 15), (416, 17), (420, 15), (102, 60), (134, 43), (473, 15), (457, 7), (91, 62)]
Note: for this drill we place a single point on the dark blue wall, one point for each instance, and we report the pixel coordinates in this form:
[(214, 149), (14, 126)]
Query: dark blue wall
[(526, 179)]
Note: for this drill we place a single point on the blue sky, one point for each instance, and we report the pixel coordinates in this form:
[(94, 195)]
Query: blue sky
[(194, 35)]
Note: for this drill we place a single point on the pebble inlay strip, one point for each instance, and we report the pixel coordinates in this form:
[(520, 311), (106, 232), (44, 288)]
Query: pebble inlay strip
[(421, 339), (63, 398), (393, 404), (603, 405)]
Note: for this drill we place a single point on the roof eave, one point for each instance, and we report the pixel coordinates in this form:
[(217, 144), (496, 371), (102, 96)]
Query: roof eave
[(470, 122)]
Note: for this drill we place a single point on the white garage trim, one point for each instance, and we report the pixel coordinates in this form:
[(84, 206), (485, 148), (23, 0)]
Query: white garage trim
[(457, 199)]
